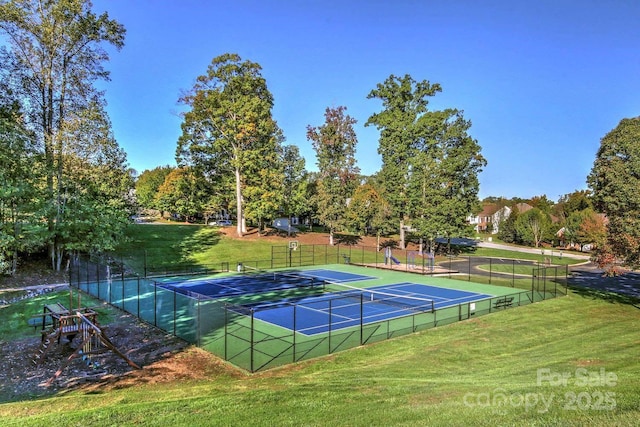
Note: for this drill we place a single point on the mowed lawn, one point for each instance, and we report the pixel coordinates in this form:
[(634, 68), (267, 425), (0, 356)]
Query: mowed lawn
[(568, 361)]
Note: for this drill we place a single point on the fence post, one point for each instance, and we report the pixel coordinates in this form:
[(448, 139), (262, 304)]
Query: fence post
[(226, 330), (490, 269), (138, 298), (361, 319), (251, 343), (198, 336), (155, 305), (330, 308)]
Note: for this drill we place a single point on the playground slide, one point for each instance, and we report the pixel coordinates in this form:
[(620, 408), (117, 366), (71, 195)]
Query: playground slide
[(395, 260)]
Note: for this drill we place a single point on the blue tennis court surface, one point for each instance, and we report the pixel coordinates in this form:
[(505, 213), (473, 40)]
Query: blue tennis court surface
[(318, 314), (244, 284)]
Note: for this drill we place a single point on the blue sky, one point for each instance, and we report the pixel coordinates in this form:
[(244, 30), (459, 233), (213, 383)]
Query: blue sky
[(542, 81)]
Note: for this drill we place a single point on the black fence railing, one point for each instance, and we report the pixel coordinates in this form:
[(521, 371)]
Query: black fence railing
[(235, 333)]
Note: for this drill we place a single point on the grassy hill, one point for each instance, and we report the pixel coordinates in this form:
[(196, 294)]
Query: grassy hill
[(568, 361)]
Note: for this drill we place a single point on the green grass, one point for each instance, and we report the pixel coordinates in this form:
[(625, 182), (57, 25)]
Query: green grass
[(167, 247), (477, 372), (556, 259), (172, 246), (14, 318)]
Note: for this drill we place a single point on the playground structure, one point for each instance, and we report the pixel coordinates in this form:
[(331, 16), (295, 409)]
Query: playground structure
[(58, 322)]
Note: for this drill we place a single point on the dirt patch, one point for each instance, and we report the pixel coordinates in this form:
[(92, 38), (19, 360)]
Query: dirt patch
[(162, 357), (304, 238), (33, 270)]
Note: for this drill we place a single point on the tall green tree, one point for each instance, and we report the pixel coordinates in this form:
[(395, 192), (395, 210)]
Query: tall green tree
[(183, 193), (335, 145), (567, 204), (615, 180), (508, 231), (19, 192), (147, 185), (96, 199), (55, 58), (229, 128), (295, 183), (368, 211), (404, 112), (430, 164), (533, 226)]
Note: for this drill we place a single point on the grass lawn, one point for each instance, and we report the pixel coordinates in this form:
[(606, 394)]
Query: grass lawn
[(171, 247), (567, 361)]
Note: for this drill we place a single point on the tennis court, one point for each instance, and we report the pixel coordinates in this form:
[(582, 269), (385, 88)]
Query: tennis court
[(323, 299), (256, 282), (345, 307)]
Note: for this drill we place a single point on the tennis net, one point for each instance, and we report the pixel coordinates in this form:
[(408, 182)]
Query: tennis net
[(285, 277), (405, 302)]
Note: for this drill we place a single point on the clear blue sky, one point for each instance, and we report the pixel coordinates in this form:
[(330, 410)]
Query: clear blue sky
[(542, 81)]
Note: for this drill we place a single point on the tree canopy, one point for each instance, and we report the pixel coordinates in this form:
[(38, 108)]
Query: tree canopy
[(229, 131), (430, 164), (335, 145), (615, 180), (54, 59)]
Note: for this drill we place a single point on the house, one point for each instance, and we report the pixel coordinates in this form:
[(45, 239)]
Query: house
[(489, 219)]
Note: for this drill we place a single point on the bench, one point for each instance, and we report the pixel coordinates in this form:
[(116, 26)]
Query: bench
[(503, 302)]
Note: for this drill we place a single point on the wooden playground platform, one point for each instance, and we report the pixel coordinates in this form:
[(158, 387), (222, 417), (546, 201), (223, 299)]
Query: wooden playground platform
[(58, 322)]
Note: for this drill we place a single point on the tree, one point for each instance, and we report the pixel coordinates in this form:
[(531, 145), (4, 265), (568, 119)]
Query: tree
[(335, 145), (577, 201), (430, 164), (614, 180), (147, 185), (54, 61), (96, 199), (532, 226), (585, 227), (362, 208), (229, 129), (181, 193), (19, 194), (295, 183), (508, 231), (542, 203), (404, 111)]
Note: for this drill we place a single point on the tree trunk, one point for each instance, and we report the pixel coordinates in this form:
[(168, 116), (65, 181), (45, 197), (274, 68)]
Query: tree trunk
[(240, 226)]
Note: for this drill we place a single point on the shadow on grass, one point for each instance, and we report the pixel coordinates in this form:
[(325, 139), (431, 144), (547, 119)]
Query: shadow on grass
[(608, 296), (153, 247), (591, 283)]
